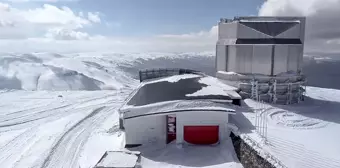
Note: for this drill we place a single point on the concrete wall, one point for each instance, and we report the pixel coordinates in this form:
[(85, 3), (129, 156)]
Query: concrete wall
[(145, 130), (201, 118)]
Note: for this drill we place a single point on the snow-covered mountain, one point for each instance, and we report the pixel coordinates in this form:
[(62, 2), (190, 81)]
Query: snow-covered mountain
[(86, 71), (110, 71)]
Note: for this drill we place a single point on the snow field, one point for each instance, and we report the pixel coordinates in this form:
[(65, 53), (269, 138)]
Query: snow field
[(302, 135), (56, 136), (51, 117), (43, 122)]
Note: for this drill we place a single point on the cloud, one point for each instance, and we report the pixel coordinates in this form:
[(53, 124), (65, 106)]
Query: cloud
[(94, 17), (61, 41), (212, 33), (323, 21), (66, 34), (65, 40), (50, 15), (49, 1), (29, 23), (52, 29)]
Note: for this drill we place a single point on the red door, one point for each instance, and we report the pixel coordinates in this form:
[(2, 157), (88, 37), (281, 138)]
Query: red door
[(201, 135)]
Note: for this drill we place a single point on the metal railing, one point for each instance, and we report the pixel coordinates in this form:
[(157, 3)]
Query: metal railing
[(157, 73)]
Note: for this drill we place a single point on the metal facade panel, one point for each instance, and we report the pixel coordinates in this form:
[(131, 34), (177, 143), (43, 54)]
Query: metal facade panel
[(226, 42), (247, 33), (300, 59), (280, 59), (272, 28), (231, 64), (294, 57), (302, 28), (262, 57), (227, 30), (293, 32), (244, 54), (221, 57)]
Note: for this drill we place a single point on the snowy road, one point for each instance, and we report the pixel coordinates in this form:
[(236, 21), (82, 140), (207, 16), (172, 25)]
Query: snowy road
[(51, 129)]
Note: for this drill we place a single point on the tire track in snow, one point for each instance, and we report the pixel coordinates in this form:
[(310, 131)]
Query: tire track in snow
[(46, 115), (66, 151), (305, 158), (10, 152)]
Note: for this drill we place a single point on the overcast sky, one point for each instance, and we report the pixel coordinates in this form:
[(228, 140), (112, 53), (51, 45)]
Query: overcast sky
[(149, 25)]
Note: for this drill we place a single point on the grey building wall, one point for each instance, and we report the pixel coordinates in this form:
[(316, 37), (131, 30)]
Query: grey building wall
[(261, 45), (227, 30), (221, 57)]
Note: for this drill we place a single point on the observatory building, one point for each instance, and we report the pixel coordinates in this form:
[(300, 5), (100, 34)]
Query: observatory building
[(262, 56)]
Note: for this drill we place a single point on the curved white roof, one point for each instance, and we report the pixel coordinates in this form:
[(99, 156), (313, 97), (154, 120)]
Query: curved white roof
[(180, 93), (178, 106)]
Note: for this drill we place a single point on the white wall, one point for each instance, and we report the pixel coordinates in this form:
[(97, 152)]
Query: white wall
[(295, 52), (201, 118), (152, 129), (144, 130), (227, 30), (244, 58), (280, 59), (231, 64), (262, 59), (221, 58)]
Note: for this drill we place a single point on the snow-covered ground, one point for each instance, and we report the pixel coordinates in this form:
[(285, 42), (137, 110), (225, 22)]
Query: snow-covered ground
[(304, 135), (220, 156), (73, 129), (60, 111), (57, 128)]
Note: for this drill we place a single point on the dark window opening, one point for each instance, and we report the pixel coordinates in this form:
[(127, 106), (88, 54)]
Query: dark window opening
[(268, 41)]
